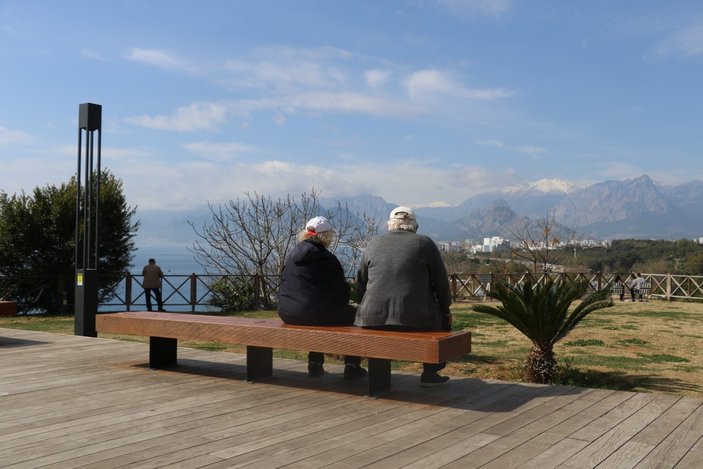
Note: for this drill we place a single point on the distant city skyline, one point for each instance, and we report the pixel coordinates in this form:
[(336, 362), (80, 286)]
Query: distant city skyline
[(422, 102)]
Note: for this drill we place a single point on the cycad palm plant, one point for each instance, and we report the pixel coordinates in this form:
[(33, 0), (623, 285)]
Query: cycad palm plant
[(542, 313)]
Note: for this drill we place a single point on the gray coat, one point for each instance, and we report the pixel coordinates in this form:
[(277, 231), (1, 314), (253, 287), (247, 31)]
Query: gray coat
[(402, 281)]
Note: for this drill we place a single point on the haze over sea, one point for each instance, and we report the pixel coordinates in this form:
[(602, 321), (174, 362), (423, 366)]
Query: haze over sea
[(174, 259)]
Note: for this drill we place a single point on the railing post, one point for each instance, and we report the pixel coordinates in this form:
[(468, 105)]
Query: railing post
[(257, 291), (193, 291), (454, 294), (128, 291), (668, 287), (489, 287)]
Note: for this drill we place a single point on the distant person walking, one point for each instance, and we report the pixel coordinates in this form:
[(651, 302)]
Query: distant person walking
[(637, 284), (152, 283), (619, 287)]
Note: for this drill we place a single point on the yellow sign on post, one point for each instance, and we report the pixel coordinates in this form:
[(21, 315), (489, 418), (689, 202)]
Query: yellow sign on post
[(79, 279)]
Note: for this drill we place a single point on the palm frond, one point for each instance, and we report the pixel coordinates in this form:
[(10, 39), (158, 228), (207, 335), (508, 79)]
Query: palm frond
[(541, 311)]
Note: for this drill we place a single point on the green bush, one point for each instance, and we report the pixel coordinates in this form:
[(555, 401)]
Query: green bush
[(233, 293)]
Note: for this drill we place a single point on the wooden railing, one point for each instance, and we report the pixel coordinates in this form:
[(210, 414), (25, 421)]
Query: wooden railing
[(468, 287), (194, 292)]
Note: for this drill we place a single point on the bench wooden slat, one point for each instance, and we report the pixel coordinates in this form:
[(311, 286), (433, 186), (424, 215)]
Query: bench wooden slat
[(429, 347), (261, 336)]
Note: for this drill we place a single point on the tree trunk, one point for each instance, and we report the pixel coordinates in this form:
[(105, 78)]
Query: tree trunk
[(540, 366)]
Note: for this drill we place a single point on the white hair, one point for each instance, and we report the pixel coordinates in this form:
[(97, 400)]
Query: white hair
[(402, 225), (325, 238)]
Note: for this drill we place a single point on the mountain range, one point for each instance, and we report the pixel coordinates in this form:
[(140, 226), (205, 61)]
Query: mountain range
[(635, 208)]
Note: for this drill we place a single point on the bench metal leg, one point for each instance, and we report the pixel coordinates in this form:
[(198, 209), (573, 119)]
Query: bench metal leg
[(162, 352), (379, 376), (259, 363)]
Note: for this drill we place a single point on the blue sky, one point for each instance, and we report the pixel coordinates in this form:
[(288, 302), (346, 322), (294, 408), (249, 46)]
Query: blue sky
[(423, 102)]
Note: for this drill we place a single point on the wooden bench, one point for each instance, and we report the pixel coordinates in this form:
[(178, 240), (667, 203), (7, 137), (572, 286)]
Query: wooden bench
[(8, 308), (261, 336)]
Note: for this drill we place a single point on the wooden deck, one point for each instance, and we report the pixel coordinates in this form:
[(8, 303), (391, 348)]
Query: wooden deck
[(68, 402)]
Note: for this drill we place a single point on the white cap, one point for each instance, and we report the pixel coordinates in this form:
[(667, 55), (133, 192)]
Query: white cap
[(402, 213), (319, 225)]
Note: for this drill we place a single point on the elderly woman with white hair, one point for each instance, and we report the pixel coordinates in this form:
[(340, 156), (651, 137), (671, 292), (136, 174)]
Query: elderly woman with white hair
[(403, 285), (314, 291)]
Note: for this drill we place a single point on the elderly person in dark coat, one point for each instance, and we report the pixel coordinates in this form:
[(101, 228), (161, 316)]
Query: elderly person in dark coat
[(403, 285), (314, 291)]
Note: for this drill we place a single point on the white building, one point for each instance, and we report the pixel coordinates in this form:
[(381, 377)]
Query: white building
[(493, 244)]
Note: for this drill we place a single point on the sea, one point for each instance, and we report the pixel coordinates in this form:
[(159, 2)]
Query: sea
[(174, 259)]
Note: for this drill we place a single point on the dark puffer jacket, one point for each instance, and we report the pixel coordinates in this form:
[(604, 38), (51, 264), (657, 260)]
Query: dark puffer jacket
[(313, 289)]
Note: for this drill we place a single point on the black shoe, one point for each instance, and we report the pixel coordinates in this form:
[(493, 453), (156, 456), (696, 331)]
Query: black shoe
[(162, 310), (315, 369), (432, 379), (354, 372)]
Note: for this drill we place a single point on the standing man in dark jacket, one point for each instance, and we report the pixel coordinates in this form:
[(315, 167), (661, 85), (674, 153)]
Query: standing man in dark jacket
[(152, 283), (314, 292), (403, 285)]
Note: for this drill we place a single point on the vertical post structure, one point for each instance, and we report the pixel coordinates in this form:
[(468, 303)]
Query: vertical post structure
[(87, 218)]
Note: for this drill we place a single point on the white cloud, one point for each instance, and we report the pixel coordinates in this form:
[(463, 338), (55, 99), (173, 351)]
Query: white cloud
[(283, 75), (323, 101), (158, 58), (298, 54), (416, 183), (529, 149), (286, 80), (12, 137), (349, 102), (684, 43), (92, 55), (376, 78), (197, 116), (288, 69), (476, 7), (131, 155), (677, 35), (431, 81), (26, 173), (222, 151), (437, 82)]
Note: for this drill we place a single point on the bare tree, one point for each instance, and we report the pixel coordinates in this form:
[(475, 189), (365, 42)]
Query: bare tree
[(359, 229), (252, 237), (538, 242)]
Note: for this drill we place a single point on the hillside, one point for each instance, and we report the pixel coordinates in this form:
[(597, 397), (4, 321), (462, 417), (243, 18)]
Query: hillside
[(635, 208)]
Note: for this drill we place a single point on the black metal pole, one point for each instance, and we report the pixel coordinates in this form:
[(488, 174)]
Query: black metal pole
[(78, 201), (97, 200), (87, 205)]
